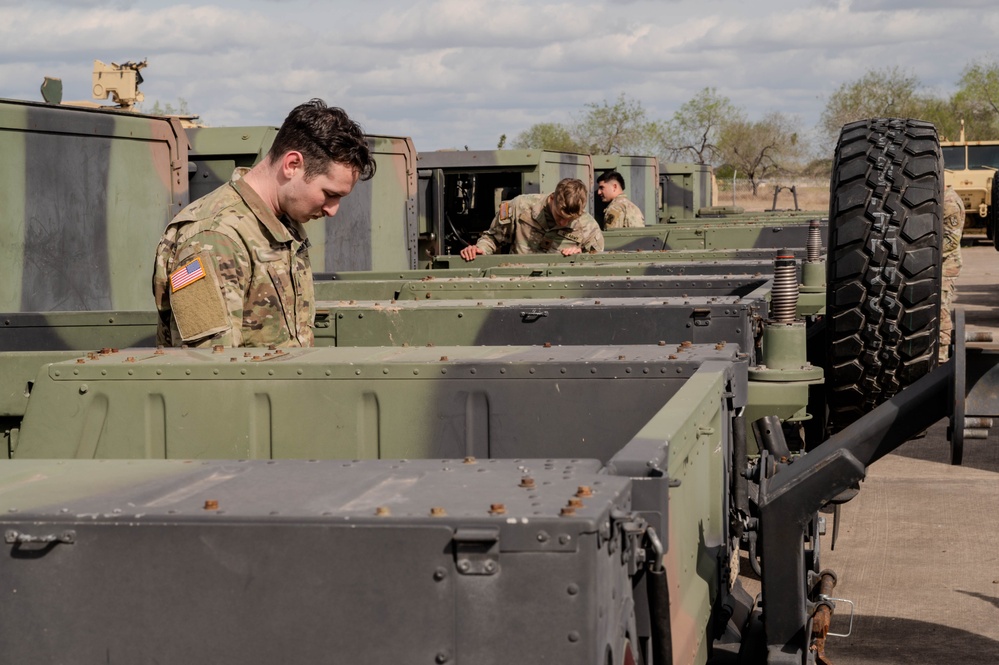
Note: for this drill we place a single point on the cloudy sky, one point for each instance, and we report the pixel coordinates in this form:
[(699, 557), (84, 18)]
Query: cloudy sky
[(452, 73)]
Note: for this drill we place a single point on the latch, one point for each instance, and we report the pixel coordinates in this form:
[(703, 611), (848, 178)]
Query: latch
[(532, 315), (632, 529), (14, 537), (476, 550), (701, 316), (322, 320)]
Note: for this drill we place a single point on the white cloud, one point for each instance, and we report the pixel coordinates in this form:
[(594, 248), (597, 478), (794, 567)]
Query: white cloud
[(456, 72)]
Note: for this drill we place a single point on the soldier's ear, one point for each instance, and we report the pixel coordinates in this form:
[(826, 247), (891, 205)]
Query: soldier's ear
[(291, 162)]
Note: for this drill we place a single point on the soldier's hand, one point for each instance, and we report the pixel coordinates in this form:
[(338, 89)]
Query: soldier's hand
[(471, 252), (569, 251)]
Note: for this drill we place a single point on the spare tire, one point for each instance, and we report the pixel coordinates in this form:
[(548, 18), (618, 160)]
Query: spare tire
[(884, 263)]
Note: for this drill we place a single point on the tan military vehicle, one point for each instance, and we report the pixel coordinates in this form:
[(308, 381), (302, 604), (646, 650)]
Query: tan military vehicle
[(970, 169)]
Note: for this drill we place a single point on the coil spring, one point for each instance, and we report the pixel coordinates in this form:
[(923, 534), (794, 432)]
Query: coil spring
[(814, 245), (784, 299)]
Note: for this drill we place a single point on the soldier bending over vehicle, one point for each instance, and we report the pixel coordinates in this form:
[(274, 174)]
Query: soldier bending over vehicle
[(539, 224)]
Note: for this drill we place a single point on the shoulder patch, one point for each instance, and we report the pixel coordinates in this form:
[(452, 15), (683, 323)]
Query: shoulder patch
[(504, 211), (187, 274), (197, 304)]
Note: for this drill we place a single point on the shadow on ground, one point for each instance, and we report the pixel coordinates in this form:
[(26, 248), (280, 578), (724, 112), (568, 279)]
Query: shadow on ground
[(881, 640), (980, 454)]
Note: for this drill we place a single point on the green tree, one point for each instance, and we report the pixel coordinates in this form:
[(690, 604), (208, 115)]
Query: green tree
[(692, 134), (170, 109), (548, 136), (761, 149), (977, 100), (619, 128), (878, 93)]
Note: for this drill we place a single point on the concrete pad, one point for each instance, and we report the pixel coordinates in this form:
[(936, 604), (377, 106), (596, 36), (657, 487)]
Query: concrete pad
[(918, 548)]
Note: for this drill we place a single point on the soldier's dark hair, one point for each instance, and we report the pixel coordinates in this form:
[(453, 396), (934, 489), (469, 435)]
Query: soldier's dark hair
[(570, 197), (323, 134), (611, 175)]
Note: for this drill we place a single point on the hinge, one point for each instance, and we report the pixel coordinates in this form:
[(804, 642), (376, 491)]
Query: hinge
[(476, 550)]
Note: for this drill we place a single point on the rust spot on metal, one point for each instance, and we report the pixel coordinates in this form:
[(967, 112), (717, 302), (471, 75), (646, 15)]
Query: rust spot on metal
[(584, 491), (548, 345), (105, 351), (443, 359), (130, 359), (567, 512), (159, 351), (211, 504), (574, 503), (497, 509), (662, 342), (686, 344), (437, 511), (672, 356), (527, 482), (469, 460), (218, 348), (719, 346), (382, 511)]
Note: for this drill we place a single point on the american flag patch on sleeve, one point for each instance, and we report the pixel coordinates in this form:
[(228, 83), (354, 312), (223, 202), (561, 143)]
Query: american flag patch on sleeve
[(188, 273)]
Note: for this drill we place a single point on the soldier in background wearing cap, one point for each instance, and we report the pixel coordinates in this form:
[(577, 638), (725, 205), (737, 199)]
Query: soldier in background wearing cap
[(620, 212), (540, 224), (953, 225), (232, 268)]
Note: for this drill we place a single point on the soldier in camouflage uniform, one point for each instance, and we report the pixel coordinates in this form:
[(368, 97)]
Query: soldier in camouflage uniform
[(539, 224), (953, 224), (620, 212), (232, 268)]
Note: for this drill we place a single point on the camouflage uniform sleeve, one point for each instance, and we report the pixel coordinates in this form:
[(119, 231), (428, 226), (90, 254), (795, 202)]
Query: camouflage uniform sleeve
[(500, 232), (228, 269), (612, 216), (593, 238), (953, 223)]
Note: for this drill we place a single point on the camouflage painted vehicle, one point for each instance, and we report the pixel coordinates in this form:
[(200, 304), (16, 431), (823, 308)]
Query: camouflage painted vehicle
[(542, 460)]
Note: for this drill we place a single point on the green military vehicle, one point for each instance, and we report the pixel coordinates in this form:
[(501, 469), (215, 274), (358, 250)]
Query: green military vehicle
[(541, 459)]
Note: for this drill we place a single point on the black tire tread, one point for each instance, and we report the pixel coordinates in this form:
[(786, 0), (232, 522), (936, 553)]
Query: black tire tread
[(883, 271)]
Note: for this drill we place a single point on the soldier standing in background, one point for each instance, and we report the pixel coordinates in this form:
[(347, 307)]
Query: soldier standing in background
[(233, 268), (953, 224), (539, 224), (620, 212)]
